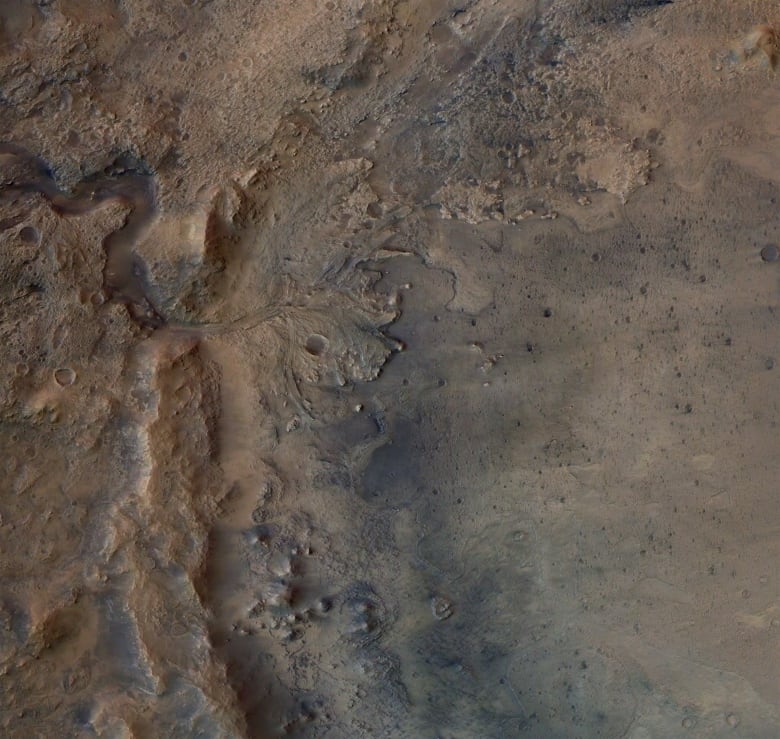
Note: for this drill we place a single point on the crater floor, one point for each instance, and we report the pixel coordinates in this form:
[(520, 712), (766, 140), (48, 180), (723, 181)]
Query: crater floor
[(389, 368)]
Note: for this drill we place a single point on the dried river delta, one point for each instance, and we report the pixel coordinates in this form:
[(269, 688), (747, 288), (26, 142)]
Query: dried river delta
[(389, 368)]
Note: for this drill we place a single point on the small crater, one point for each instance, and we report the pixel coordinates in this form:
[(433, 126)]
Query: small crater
[(64, 376), (770, 253), (441, 607), (316, 345), (30, 235)]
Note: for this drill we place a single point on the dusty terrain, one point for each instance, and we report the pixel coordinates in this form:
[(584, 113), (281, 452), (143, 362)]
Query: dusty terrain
[(379, 368)]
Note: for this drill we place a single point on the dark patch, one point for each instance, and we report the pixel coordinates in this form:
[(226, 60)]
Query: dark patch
[(605, 11), (392, 475)]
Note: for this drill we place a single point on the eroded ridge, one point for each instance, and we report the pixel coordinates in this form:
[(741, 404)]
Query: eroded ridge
[(263, 341)]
